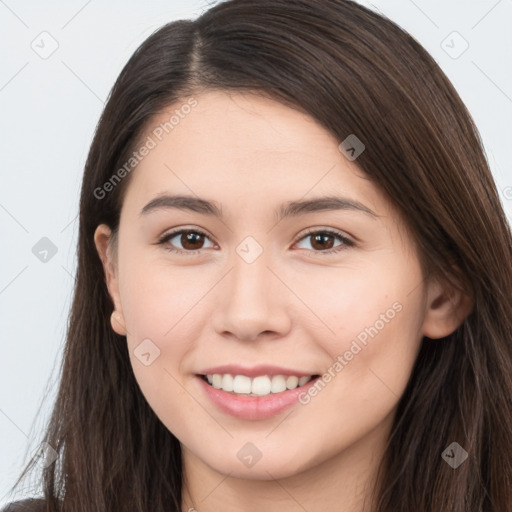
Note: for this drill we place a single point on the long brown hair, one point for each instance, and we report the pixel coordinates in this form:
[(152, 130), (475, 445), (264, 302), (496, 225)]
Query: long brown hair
[(356, 72)]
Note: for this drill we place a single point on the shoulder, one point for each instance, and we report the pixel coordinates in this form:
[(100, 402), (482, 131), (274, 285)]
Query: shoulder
[(28, 505)]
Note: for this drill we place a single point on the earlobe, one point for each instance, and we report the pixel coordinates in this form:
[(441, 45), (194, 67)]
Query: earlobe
[(102, 238), (447, 307), (118, 323)]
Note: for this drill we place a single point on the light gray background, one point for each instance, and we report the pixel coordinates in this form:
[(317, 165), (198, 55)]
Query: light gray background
[(50, 107)]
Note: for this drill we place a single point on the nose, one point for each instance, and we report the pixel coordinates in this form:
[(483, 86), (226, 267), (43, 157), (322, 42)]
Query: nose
[(252, 301)]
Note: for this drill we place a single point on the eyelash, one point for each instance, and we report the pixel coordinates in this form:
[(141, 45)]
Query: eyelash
[(346, 242)]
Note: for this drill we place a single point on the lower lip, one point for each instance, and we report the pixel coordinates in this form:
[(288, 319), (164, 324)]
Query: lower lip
[(253, 407)]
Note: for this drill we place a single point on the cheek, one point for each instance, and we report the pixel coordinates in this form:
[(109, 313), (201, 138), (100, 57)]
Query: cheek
[(159, 301), (159, 342), (371, 361), (374, 321), (348, 299), (160, 308)]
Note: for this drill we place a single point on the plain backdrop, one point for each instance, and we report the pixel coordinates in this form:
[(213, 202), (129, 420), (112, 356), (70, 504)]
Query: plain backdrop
[(59, 61)]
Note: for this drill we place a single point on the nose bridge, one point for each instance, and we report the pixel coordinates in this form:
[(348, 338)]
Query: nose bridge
[(251, 302), (250, 281)]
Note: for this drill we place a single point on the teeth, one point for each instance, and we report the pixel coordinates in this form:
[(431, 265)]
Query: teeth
[(217, 381), (303, 380), (241, 384), (259, 386), (227, 382), (278, 384), (291, 382)]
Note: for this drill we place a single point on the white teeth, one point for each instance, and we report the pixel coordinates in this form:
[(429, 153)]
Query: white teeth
[(303, 380), (227, 382), (241, 384), (291, 382), (217, 381), (258, 386), (261, 385), (278, 384)]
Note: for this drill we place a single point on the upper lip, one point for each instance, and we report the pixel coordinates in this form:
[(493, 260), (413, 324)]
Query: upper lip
[(254, 371)]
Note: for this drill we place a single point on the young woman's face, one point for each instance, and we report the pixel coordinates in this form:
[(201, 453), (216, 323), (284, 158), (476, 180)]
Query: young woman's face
[(329, 289)]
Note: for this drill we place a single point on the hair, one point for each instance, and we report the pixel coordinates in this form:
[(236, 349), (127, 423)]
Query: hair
[(355, 72)]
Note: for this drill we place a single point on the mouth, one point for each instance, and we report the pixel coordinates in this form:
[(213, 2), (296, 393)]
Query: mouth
[(259, 397), (258, 386)]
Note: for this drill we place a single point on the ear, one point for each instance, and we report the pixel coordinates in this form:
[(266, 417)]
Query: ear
[(102, 240), (447, 307)]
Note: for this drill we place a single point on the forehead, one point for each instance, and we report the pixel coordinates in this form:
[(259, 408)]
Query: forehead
[(241, 147)]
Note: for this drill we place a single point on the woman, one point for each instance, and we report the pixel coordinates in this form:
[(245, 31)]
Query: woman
[(294, 279)]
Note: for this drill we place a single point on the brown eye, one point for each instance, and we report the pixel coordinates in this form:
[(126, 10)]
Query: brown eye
[(323, 241), (191, 241)]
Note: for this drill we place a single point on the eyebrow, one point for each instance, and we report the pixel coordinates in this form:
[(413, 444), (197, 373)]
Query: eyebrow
[(288, 209)]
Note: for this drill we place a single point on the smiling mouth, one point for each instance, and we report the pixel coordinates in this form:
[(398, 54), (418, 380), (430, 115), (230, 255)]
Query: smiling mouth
[(261, 385)]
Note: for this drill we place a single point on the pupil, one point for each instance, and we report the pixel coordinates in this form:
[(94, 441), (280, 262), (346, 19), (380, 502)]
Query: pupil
[(322, 236), (189, 237)]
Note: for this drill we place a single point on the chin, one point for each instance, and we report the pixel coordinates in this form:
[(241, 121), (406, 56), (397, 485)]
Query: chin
[(272, 467)]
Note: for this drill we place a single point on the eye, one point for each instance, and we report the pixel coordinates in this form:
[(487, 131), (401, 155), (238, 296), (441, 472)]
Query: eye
[(322, 239), (191, 240)]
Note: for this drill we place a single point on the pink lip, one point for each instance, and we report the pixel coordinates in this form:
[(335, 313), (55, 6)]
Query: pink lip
[(252, 407), (255, 371)]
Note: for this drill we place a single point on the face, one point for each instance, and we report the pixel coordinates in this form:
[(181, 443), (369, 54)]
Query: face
[(233, 288)]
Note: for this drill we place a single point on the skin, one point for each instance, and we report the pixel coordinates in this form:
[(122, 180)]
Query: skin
[(292, 306)]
